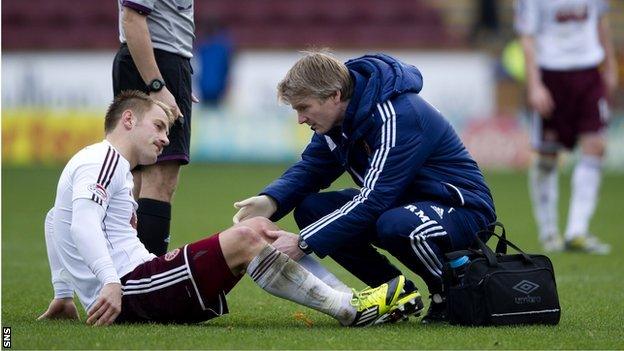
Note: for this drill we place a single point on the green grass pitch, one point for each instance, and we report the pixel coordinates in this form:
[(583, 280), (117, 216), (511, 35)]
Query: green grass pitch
[(591, 288)]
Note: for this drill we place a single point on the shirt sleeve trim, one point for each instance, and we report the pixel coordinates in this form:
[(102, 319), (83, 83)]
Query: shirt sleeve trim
[(137, 7)]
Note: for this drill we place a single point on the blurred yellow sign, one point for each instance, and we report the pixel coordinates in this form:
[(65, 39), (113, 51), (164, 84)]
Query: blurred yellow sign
[(44, 136)]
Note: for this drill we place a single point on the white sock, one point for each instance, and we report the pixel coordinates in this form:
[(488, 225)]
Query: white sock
[(544, 189), (585, 186), (315, 267), (274, 272)]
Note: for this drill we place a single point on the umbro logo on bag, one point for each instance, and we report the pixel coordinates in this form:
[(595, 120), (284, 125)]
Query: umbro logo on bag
[(525, 287)]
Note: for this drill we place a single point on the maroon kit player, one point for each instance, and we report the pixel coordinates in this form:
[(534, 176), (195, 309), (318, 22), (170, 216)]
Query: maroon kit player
[(565, 42)]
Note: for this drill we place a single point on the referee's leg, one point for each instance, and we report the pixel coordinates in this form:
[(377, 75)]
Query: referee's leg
[(156, 184)]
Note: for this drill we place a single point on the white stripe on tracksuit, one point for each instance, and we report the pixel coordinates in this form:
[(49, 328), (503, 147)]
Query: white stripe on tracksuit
[(388, 140), (418, 239)]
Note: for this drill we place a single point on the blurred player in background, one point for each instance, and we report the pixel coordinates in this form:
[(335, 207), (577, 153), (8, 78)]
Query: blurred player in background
[(156, 46), (421, 194), (93, 249), (564, 42)]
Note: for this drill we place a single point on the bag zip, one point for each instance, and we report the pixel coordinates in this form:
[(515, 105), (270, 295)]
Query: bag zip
[(489, 275)]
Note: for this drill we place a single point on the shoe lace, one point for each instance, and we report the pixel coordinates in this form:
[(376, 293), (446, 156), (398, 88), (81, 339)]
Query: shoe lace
[(364, 297)]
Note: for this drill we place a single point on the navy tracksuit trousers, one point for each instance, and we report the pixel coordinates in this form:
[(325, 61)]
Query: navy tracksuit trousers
[(418, 234)]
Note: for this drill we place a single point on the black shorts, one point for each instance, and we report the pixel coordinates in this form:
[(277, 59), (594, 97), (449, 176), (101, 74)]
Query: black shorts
[(176, 71)]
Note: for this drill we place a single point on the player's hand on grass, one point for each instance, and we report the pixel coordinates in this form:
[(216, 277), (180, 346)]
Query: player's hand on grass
[(256, 206), (287, 243), (541, 100), (60, 309), (165, 96), (107, 307)]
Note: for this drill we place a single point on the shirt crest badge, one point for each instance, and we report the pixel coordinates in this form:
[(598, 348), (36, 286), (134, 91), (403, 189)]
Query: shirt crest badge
[(171, 254)]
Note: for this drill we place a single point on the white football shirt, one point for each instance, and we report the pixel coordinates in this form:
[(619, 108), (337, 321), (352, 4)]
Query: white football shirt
[(565, 31), (98, 173)]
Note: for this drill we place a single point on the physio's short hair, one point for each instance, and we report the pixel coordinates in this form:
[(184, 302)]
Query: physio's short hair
[(134, 100), (317, 74)]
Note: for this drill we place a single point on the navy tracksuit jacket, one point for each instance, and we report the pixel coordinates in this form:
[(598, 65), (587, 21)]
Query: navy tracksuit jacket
[(397, 148)]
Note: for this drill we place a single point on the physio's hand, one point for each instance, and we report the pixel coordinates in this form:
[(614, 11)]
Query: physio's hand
[(165, 96), (107, 307), (60, 309), (541, 100), (257, 206), (287, 243)]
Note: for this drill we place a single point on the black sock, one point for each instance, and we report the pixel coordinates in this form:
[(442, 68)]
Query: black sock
[(154, 219)]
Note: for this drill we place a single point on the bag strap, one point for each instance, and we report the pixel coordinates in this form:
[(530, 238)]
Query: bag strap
[(501, 246), (490, 256), (526, 257)]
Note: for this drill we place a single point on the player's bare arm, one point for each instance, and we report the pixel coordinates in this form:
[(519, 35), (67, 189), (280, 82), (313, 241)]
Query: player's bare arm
[(610, 72), (539, 98), (142, 51)]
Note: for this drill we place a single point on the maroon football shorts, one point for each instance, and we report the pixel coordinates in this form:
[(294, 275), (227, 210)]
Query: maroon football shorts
[(580, 108), (186, 285)]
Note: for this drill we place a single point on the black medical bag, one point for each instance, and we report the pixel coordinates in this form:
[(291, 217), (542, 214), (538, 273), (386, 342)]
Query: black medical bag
[(495, 288)]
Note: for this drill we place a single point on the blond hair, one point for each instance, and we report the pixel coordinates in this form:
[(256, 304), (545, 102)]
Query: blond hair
[(134, 100), (317, 74)]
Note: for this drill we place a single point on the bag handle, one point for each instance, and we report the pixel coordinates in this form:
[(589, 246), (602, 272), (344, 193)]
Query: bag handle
[(507, 242), (501, 246), (490, 256)]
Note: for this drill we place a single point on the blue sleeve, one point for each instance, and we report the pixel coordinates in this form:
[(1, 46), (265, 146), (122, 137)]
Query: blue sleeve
[(402, 147), (317, 169)]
